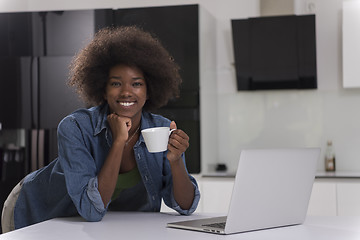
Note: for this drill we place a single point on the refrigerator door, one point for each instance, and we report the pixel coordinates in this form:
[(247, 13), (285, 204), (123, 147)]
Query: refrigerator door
[(57, 99), (15, 92)]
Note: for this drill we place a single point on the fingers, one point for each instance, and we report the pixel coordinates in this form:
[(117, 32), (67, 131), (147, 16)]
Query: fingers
[(119, 126), (178, 142), (172, 125), (114, 118)]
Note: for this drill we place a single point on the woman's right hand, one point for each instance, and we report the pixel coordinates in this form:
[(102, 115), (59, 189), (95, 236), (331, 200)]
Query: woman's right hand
[(119, 126)]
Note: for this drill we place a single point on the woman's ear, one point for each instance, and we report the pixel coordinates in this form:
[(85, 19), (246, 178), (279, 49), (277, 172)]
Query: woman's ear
[(104, 96)]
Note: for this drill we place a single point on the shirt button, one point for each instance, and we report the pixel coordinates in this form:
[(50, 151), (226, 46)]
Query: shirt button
[(153, 197), (146, 178), (139, 156)]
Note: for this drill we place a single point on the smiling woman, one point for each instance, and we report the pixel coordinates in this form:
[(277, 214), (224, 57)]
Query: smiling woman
[(103, 163)]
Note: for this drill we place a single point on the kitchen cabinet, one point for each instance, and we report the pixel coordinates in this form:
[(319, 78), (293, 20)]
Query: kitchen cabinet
[(216, 194), (350, 43), (348, 198), (329, 197), (335, 197), (16, 34), (323, 199)]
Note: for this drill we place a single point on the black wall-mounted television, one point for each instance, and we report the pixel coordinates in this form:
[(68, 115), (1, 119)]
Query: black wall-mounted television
[(277, 52)]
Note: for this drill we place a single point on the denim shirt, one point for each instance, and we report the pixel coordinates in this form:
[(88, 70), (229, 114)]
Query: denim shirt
[(69, 186)]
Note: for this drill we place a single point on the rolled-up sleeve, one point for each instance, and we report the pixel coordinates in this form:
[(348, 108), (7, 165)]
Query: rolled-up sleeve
[(94, 194), (175, 205), (80, 171)]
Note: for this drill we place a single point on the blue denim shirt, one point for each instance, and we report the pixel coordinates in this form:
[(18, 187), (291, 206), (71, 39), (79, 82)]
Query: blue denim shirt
[(69, 186)]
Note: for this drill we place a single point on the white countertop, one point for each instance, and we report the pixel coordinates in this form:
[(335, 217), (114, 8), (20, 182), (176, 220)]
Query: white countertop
[(136, 225)]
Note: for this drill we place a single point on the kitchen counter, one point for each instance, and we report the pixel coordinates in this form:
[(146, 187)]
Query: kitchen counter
[(319, 174), (338, 174)]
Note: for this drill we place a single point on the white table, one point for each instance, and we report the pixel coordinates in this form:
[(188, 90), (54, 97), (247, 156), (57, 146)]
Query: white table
[(117, 225)]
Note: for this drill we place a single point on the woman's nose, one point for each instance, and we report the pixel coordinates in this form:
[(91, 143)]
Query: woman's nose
[(125, 90)]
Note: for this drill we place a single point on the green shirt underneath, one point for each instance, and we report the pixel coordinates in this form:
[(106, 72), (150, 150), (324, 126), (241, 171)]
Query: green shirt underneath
[(125, 181)]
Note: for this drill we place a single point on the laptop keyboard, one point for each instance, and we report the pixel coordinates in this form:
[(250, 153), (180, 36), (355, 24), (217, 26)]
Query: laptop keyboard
[(215, 225)]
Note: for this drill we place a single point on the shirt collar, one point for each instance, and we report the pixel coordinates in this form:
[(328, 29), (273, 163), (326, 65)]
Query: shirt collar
[(101, 119)]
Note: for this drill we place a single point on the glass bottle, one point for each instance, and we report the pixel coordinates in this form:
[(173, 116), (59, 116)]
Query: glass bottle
[(329, 157)]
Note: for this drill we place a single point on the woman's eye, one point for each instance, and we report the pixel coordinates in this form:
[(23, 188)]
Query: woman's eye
[(115, 84), (137, 84)]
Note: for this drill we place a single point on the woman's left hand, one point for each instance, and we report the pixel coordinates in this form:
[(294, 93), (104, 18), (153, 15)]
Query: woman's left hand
[(178, 143)]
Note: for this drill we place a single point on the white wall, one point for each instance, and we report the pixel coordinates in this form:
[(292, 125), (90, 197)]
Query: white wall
[(265, 118), (297, 118)]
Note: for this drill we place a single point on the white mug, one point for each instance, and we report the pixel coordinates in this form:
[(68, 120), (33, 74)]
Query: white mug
[(157, 138)]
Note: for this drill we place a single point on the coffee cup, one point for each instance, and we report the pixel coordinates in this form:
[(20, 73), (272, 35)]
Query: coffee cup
[(157, 138)]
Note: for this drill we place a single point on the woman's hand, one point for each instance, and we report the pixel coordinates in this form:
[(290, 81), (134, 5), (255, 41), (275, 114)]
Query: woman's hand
[(178, 143), (119, 126)]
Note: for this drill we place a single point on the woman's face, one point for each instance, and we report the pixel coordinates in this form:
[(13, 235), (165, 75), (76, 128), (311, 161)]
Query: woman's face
[(126, 91)]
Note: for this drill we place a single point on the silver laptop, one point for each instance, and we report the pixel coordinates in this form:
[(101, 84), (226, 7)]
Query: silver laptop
[(272, 189)]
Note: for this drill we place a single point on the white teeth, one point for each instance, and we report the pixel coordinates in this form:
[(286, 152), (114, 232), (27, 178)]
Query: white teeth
[(126, 104)]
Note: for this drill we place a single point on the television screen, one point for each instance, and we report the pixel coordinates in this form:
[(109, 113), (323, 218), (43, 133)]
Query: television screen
[(277, 52)]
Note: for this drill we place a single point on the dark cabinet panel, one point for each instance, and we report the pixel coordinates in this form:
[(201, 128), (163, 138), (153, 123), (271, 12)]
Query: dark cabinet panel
[(15, 34), (63, 33), (15, 92), (103, 18), (68, 31), (4, 48), (178, 30), (9, 115), (51, 33), (188, 99)]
